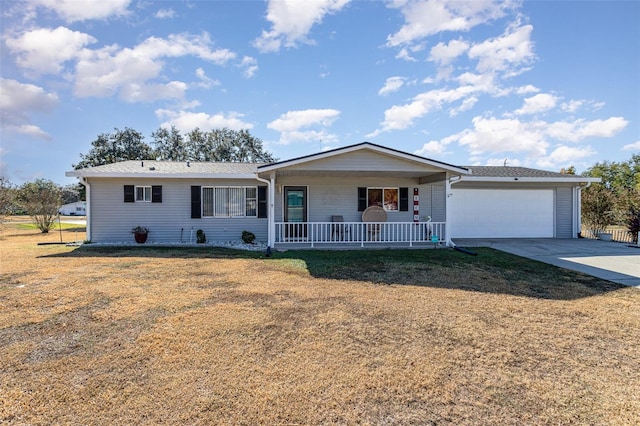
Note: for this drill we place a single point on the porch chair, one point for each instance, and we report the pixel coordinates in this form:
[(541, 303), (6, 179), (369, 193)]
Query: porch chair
[(374, 214), (338, 228)]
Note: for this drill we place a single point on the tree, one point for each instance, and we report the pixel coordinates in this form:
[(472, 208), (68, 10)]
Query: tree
[(169, 145), (622, 182), (7, 198), (41, 200), (70, 193), (597, 208), (214, 145), (121, 145)]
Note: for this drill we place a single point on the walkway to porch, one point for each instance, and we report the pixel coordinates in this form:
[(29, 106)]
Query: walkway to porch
[(360, 233)]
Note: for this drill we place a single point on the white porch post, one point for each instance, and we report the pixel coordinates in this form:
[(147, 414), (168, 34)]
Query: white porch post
[(272, 210), (447, 210), (447, 205)]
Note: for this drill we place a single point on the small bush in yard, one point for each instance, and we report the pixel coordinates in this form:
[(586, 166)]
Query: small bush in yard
[(248, 237)]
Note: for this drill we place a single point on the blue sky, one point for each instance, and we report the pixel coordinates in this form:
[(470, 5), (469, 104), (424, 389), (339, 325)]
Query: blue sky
[(541, 84)]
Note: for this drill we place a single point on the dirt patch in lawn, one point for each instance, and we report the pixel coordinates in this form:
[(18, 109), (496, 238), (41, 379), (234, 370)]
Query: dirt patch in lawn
[(179, 336)]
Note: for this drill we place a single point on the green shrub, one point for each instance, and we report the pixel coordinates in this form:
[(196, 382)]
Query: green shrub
[(248, 237)]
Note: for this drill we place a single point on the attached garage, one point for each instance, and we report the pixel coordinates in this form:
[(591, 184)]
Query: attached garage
[(502, 213)]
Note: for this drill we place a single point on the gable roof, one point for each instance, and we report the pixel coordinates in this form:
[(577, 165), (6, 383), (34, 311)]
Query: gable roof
[(174, 169), (362, 146)]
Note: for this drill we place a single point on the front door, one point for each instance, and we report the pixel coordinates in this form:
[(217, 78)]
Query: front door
[(295, 212)]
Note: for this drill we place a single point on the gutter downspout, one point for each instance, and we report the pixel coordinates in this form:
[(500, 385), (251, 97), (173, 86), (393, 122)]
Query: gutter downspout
[(87, 212), (447, 213), (271, 212)]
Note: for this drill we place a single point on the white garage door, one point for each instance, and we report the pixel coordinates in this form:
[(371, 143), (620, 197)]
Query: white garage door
[(501, 213)]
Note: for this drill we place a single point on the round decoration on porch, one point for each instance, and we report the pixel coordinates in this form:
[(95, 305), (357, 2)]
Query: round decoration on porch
[(374, 214)]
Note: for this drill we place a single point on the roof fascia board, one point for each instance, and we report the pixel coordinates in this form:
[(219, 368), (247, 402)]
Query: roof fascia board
[(165, 175), (358, 147)]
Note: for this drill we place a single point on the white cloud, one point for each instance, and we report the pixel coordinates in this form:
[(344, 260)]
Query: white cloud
[(405, 55), (444, 54), (527, 90), (292, 20), (632, 146), (496, 135), (165, 13), (185, 121), (45, 50), (509, 53), (538, 103), (565, 155), (127, 71), (572, 106), (293, 125), (399, 117), (577, 130), (466, 105), (72, 10), (250, 66), (393, 84), (205, 81), (18, 101), (432, 148), (427, 17)]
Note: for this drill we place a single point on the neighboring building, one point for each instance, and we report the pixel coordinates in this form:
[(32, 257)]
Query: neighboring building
[(79, 208), (320, 199)]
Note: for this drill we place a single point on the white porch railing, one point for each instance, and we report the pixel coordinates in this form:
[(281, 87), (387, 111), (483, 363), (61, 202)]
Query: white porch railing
[(359, 232)]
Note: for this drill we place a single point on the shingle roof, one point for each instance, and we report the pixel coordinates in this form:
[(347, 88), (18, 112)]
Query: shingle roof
[(513, 172), (154, 168)]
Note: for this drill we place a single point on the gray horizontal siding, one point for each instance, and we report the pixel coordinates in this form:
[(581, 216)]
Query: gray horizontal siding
[(361, 161), (564, 213), (169, 221)]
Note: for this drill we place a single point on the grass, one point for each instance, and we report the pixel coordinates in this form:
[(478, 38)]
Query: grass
[(142, 335)]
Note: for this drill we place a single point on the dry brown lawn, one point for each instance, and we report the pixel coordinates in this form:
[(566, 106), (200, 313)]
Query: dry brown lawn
[(203, 336)]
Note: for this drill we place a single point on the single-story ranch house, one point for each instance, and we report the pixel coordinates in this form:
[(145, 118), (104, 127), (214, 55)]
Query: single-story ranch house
[(359, 195)]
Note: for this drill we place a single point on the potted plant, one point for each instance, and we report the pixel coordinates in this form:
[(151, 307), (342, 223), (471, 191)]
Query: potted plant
[(140, 233)]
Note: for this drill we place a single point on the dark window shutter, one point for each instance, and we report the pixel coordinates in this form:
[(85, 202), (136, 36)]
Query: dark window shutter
[(362, 198), (156, 194), (196, 205), (129, 194), (404, 199), (262, 201)]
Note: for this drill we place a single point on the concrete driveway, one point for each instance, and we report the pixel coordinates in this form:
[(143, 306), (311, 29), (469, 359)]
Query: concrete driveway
[(611, 261)]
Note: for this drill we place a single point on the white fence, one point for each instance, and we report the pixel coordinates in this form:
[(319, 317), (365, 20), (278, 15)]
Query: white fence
[(360, 232)]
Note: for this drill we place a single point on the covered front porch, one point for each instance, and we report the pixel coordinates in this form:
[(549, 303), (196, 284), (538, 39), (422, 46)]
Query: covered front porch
[(322, 200), (354, 234)]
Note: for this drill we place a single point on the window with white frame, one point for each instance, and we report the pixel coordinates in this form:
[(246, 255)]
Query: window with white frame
[(143, 194), (229, 201), (387, 198)]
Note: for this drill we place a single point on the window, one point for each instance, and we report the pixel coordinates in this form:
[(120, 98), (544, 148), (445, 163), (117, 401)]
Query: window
[(229, 201), (391, 199), (143, 194), (387, 198)]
